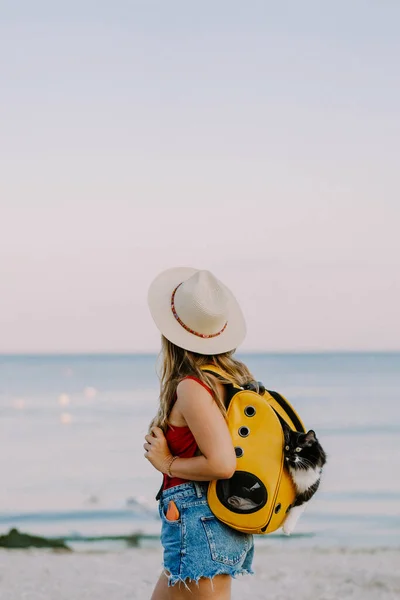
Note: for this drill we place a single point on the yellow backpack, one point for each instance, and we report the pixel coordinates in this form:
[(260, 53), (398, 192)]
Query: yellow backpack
[(261, 492)]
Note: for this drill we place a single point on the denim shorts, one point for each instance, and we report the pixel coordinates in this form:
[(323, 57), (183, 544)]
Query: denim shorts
[(198, 544)]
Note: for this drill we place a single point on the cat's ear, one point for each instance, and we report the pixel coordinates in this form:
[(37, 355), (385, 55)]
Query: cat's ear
[(286, 431), (310, 438)]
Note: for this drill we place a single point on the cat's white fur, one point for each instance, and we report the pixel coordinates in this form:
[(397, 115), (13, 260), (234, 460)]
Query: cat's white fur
[(303, 479)]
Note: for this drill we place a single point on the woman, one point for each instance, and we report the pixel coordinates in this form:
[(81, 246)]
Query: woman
[(189, 442)]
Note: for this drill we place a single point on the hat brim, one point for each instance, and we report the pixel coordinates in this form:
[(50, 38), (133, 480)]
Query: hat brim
[(159, 301)]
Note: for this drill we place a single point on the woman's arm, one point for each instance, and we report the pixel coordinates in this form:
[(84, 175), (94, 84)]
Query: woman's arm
[(208, 426)]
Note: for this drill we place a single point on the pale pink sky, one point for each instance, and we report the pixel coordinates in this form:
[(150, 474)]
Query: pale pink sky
[(257, 144)]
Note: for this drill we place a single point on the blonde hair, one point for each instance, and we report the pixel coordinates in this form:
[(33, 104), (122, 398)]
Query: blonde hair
[(178, 363)]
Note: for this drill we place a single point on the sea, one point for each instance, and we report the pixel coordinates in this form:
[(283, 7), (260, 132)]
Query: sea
[(72, 430)]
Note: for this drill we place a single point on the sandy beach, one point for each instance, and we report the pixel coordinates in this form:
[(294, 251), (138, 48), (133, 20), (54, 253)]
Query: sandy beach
[(302, 574)]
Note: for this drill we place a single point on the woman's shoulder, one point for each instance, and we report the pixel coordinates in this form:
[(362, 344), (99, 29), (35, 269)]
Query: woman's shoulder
[(191, 382), (192, 385)]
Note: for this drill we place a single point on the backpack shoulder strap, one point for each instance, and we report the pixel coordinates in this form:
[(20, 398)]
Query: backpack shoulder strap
[(213, 370), (231, 387)]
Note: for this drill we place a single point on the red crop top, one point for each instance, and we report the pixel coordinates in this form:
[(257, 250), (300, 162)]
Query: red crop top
[(181, 442)]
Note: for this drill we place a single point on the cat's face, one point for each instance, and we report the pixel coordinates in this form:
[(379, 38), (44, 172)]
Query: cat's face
[(302, 450)]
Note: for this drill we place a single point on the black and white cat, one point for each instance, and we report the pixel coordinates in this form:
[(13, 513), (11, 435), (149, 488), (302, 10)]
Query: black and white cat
[(304, 459)]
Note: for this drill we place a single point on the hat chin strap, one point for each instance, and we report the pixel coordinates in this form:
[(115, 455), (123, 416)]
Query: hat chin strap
[(182, 324)]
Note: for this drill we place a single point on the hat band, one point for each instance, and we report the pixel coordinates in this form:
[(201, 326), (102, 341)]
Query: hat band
[(202, 335)]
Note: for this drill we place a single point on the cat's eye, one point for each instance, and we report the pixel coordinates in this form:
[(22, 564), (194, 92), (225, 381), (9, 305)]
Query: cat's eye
[(286, 447), (298, 449)]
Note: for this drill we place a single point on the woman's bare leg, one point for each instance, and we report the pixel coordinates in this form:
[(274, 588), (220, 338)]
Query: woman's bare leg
[(219, 588), (161, 589)]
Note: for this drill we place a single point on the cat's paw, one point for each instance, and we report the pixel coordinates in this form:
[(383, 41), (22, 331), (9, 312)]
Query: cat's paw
[(291, 520), (287, 529)]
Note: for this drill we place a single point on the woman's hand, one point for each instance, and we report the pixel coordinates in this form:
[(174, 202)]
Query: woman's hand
[(157, 451)]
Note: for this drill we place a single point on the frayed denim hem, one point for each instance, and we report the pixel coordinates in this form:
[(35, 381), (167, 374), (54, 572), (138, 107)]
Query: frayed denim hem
[(174, 579)]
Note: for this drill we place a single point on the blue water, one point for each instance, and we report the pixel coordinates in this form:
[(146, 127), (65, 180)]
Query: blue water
[(72, 428)]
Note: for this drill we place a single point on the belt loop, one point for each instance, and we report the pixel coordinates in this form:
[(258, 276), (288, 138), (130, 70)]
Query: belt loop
[(198, 488)]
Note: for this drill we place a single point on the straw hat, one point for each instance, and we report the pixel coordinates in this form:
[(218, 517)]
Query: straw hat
[(195, 311)]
